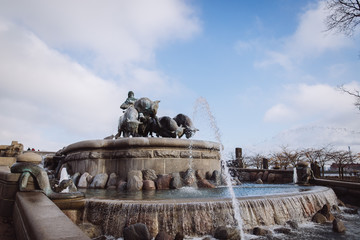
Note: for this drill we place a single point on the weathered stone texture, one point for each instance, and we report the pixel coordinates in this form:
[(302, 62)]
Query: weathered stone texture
[(163, 181), (149, 185), (166, 154), (99, 181), (123, 155)]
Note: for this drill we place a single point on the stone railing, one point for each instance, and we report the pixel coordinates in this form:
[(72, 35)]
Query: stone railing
[(347, 192), (266, 175), (36, 217), (8, 188)]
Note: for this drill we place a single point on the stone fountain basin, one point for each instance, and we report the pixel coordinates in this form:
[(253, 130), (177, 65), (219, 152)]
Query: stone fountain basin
[(164, 155), (201, 216)]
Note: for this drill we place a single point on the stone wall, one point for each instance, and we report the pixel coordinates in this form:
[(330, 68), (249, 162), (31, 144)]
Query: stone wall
[(8, 188), (37, 217), (266, 175), (347, 192), (164, 155)]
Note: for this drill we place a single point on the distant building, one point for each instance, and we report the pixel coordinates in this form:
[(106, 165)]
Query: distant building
[(348, 167)]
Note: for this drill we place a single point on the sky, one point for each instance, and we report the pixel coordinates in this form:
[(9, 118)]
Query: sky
[(263, 73)]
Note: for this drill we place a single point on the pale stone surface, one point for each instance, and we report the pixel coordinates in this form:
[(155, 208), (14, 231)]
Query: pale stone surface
[(112, 180), (29, 157), (83, 183), (99, 181), (134, 181)]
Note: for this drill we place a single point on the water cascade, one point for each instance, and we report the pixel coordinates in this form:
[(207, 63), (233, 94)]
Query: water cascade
[(295, 178), (237, 215), (192, 215), (199, 217)]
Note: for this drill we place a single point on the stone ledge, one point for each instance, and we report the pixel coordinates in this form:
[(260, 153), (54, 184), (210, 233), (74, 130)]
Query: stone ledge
[(37, 217), (141, 142), (7, 161)]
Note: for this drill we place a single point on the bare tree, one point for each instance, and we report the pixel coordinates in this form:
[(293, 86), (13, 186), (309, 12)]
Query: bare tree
[(287, 157), (344, 15), (342, 159), (355, 93), (256, 160), (318, 156)]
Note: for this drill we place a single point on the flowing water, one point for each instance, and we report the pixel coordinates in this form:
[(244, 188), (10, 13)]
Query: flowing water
[(202, 102), (199, 217), (295, 177), (64, 176)]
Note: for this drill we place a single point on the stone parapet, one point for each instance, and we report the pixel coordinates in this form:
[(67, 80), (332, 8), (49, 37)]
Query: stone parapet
[(164, 155), (8, 189), (347, 192), (7, 161), (277, 176), (37, 217)]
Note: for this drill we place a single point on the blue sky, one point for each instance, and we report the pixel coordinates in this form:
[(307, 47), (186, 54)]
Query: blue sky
[(267, 69)]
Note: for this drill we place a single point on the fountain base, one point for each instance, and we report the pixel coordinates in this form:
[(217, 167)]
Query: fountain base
[(199, 217), (164, 155)]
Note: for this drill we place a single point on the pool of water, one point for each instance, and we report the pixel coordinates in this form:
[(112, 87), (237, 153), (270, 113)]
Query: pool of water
[(244, 190)]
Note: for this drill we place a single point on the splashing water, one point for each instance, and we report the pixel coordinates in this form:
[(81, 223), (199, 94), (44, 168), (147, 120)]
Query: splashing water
[(295, 177), (191, 154), (64, 176), (202, 102)]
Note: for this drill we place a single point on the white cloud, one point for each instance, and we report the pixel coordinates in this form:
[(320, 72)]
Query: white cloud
[(309, 41), (279, 113), (116, 33), (318, 102), (41, 88), (311, 37), (53, 53)]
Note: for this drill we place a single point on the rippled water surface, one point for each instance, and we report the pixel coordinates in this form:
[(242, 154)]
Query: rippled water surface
[(245, 190)]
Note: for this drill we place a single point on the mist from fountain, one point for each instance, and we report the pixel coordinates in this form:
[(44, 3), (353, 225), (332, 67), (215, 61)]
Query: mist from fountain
[(202, 102)]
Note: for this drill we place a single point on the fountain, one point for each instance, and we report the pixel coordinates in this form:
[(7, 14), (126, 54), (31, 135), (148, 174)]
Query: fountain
[(295, 178), (186, 210)]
